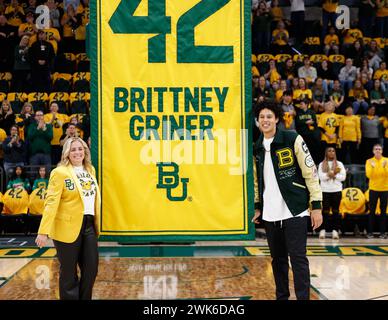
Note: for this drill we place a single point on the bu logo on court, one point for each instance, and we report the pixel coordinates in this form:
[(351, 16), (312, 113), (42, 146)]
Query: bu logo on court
[(168, 178)]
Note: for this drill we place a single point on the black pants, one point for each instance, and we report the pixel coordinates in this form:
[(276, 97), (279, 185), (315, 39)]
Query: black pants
[(373, 197), (331, 200), (348, 152), (289, 238), (84, 253), (297, 21)]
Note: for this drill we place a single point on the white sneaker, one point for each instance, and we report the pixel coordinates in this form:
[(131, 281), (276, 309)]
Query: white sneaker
[(335, 235), (322, 234)]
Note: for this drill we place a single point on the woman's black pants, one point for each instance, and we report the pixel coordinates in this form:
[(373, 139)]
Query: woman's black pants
[(84, 253)]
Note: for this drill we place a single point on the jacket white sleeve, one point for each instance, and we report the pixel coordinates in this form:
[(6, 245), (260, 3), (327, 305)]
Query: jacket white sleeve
[(309, 172)]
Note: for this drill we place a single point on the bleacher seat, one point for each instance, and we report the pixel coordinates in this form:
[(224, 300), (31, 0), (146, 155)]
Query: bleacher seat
[(17, 100), (380, 42), (81, 82), (312, 45), (281, 58), (366, 40), (298, 60), (39, 101), (62, 99), (316, 59), (65, 63), (337, 62), (62, 82), (79, 102), (263, 62), (83, 62)]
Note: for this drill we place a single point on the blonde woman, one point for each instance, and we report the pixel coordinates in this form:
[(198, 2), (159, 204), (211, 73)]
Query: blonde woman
[(71, 219), (24, 119), (7, 117)]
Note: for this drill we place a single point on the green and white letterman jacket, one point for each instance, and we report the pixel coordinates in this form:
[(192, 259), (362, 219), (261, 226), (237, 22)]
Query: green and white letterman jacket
[(295, 172)]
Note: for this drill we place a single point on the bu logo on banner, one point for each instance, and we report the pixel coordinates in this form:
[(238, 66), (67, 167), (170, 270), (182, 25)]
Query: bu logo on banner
[(168, 178)]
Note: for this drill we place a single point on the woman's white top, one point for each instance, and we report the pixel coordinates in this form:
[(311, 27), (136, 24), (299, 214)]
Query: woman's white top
[(329, 184), (89, 189)]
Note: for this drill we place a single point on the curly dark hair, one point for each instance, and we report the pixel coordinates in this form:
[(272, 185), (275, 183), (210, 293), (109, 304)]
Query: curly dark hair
[(272, 106)]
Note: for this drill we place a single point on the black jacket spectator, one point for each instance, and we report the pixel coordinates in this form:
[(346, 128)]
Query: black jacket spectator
[(326, 73), (14, 153), (7, 43), (41, 56)]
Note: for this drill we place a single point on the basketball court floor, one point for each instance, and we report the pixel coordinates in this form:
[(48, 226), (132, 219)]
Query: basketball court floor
[(351, 268)]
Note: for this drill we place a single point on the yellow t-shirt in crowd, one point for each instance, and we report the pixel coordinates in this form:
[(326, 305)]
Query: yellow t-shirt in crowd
[(330, 5), (15, 201), (352, 201), (358, 94), (382, 9), (283, 37), (384, 121), (50, 33), (36, 202), (329, 122), (377, 175), (3, 136), (80, 32), (350, 128), (274, 76), (28, 27), (381, 75), (277, 13), (66, 30), (14, 15), (301, 94), (57, 129), (278, 95), (331, 39), (352, 35)]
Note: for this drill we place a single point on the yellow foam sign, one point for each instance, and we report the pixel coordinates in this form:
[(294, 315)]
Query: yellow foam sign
[(171, 104)]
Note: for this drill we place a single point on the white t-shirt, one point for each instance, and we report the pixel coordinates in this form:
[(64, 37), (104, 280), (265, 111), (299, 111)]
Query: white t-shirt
[(274, 206), (297, 5), (89, 189), (328, 184)]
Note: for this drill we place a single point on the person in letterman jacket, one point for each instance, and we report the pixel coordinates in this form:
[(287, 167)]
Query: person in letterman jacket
[(287, 195), (71, 219)]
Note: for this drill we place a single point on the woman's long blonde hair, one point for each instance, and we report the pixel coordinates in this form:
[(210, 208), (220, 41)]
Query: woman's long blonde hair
[(325, 163), (65, 161)]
